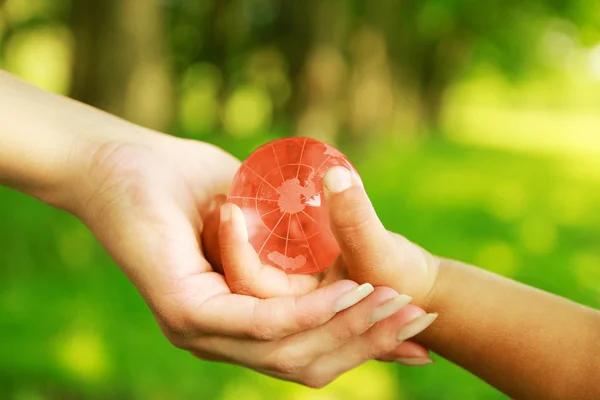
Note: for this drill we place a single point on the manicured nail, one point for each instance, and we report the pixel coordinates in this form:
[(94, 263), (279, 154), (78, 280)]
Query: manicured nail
[(414, 362), (337, 179), (389, 308), (226, 212), (212, 206), (238, 223), (415, 327), (353, 296)]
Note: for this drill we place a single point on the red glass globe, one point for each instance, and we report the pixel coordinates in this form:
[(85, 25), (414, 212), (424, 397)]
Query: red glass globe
[(280, 191)]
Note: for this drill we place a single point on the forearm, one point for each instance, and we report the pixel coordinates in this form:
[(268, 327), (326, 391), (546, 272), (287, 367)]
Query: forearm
[(46, 140), (528, 343)]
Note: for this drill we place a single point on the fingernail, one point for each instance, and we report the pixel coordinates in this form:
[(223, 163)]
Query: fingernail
[(238, 223), (337, 179), (389, 308), (414, 362), (226, 212), (353, 296), (212, 206), (415, 327)]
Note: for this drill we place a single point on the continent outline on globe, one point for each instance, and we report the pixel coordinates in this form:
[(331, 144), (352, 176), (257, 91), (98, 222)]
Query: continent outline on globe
[(279, 189)]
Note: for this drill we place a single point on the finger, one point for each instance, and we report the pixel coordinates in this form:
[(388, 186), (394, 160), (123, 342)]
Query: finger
[(210, 356), (244, 271), (379, 340), (273, 318), (210, 233), (405, 350), (304, 348), (363, 240), (346, 326)]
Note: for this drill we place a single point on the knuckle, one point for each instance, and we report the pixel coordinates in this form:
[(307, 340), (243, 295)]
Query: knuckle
[(242, 286), (355, 231), (380, 345), (272, 320), (306, 320), (354, 218), (265, 332), (283, 365), (266, 326), (348, 329), (293, 356)]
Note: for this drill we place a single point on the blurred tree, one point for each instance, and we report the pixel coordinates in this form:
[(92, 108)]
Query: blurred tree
[(400, 56), (434, 43), (317, 66), (121, 64)]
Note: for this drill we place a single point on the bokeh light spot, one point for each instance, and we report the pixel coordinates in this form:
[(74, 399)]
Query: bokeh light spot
[(508, 200), (247, 111), (21, 10), (497, 257), (587, 270), (198, 107), (83, 354), (42, 57), (76, 246), (537, 235)]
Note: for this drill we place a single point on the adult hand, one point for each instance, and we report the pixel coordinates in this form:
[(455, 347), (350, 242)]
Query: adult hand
[(148, 202), (146, 196), (374, 328)]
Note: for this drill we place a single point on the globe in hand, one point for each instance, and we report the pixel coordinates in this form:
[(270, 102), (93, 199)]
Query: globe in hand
[(280, 191)]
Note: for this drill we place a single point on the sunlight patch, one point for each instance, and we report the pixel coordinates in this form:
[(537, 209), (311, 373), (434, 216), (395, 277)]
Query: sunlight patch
[(83, 355)]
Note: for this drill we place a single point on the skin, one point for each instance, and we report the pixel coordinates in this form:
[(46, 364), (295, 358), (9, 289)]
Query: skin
[(355, 342), (527, 343), (148, 197)]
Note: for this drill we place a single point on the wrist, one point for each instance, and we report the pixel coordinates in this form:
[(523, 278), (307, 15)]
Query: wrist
[(442, 287), (88, 152), (48, 142), (56, 163), (35, 158)]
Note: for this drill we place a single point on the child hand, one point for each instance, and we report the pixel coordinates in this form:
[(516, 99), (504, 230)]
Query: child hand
[(371, 253)]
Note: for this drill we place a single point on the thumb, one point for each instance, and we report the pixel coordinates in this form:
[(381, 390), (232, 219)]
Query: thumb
[(366, 245)]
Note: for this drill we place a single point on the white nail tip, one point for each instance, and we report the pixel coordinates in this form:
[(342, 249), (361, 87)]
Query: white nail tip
[(389, 308), (415, 327), (353, 296)]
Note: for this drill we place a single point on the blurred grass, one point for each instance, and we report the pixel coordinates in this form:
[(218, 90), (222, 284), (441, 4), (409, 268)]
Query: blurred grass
[(510, 184), (73, 327)]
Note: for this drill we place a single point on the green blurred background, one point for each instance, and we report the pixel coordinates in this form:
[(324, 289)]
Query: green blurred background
[(474, 124)]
